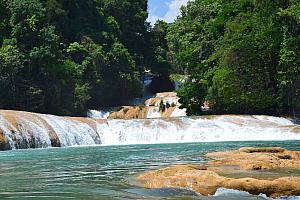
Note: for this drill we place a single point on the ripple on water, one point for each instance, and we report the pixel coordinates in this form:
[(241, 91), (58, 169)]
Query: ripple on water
[(105, 172)]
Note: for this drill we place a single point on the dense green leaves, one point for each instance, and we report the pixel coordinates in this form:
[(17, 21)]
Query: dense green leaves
[(159, 49), (63, 56), (242, 56)]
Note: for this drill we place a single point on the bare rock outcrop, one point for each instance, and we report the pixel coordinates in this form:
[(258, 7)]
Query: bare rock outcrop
[(151, 108), (257, 158), (206, 179)]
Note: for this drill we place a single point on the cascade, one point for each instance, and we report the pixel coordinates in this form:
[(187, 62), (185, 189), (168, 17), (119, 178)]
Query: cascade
[(21, 130)]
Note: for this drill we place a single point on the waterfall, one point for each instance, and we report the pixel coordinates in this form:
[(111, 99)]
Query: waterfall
[(20, 130), (99, 114)]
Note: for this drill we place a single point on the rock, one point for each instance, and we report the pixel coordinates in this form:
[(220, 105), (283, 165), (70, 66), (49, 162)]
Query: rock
[(262, 150), (257, 158), (3, 142), (151, 108), (130, 112), (206, 179), (153, 101)]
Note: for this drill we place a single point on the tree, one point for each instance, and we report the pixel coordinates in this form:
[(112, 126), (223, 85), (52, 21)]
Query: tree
[(11, 63), (159, 58), (241, 55), (63, 57), (4, 24), (121, 75)]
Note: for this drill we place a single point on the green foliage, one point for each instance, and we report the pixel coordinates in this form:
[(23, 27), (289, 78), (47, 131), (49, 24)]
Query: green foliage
[(11, 63), (162, 106), (168, 105), (242, 56), (159, 50), (62, 57), (81, 96)]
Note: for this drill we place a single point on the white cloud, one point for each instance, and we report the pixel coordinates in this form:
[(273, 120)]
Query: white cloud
[(152, 19), (172, 12)]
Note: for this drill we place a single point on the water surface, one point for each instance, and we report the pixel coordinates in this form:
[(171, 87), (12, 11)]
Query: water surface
[(106, 172)]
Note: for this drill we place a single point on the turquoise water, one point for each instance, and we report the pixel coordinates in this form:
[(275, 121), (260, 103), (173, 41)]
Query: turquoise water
[(104, 172)]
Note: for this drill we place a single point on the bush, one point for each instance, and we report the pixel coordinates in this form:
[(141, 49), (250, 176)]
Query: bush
[(168, 105), (162, 106)]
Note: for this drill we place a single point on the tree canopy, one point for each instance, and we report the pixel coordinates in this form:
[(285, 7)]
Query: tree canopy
[(62, 56), (241, 56)]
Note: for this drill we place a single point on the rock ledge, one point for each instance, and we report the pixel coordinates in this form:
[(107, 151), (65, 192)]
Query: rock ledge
[(253, 166)]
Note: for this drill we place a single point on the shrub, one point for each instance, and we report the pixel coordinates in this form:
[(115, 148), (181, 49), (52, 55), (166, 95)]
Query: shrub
[(162, 106), (168, 105)]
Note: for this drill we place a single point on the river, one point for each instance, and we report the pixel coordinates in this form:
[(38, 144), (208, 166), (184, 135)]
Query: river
[(98, 159), (107, 172), (23, 130)]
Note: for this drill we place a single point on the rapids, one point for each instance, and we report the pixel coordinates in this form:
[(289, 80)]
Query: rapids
[(22, 130)]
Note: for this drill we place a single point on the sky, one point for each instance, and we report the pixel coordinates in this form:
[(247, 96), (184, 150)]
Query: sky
[(166, 10)]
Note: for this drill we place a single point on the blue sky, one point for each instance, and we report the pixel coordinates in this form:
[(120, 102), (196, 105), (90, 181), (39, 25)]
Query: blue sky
[(166, 10)]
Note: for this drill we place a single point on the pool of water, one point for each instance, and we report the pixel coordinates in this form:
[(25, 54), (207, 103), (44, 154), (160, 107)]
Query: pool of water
[(106, 172)]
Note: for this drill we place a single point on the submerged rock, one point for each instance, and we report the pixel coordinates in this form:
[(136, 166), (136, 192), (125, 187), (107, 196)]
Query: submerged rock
[(206, 179)]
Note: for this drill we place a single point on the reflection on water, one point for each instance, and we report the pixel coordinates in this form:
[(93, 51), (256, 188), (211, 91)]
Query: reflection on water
[(106, 172)]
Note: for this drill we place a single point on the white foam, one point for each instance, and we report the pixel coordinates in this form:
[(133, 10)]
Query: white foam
[(224, 128), (153, 112), (38, 130), (147, 131), (69, 132), (98, 114), (223, 192), (178, 112), (8, 133)]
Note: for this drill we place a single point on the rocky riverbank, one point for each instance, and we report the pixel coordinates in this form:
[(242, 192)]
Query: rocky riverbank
[(255, 170)]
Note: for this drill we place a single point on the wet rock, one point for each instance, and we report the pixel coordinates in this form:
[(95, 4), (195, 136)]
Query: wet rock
[(130, 112), (3, 142), (206, 179), (151, 108), (262, 150), (257, 158)]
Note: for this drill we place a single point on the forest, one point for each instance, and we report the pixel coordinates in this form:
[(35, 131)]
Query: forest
[(65, 56), (242, 56)]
